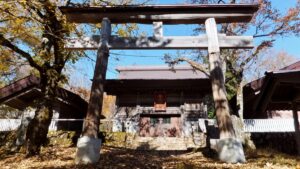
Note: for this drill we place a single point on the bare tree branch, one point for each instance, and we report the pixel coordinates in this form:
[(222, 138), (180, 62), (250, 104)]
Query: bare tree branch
[(27, 56), (263, 45), (194, 64)]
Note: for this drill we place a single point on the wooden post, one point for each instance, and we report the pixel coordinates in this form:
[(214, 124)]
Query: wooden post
[(240, 101), (92, 120), (88, 146), (296, 124), (218, 81), (158, 30), (229, 148)]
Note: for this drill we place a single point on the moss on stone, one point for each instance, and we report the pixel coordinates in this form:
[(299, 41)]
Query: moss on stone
[(118, 139), (62, 138)]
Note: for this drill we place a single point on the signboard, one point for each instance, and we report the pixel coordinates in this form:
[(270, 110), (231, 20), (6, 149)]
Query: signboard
[(160, 101)]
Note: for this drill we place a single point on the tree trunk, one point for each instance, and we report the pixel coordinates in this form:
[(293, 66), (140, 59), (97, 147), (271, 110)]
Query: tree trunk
[(36, 134), (37, 131)]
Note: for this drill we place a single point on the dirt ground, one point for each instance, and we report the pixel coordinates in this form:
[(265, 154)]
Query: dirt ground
[(114, 158)]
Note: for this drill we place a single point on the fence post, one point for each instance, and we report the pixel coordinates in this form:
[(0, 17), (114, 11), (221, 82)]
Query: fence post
[(296, 124)]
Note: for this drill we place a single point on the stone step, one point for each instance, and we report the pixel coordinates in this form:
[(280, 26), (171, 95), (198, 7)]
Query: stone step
[(159, 143)]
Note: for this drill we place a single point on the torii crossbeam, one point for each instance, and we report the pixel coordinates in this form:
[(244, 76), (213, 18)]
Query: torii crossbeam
[(168, 14), (89, 144)]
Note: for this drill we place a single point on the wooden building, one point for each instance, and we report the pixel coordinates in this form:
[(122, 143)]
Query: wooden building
[(69, 108), (275, 95), (158, 101)]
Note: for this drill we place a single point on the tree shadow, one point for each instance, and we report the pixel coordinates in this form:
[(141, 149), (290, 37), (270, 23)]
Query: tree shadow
[(7, 144), (6, 153), (212, 133), (143, 157)]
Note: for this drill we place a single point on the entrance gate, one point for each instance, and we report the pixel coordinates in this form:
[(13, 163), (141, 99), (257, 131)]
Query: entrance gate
[(88, 145)]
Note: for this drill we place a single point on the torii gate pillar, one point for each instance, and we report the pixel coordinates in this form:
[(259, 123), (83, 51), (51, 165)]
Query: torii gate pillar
[(88, 146), (230, 149)]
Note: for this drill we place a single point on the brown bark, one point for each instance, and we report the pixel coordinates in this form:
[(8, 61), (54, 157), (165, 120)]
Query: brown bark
[(36, 134)]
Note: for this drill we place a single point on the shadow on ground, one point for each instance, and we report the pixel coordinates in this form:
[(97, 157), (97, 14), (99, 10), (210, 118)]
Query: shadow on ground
[(122, 158)]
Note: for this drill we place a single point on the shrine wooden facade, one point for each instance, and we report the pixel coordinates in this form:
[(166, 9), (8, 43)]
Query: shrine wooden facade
[(158, 101)]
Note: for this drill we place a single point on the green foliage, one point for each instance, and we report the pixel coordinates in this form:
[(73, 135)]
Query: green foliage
[(231, 84), (208, 101), (62, 138), (32, 32), (211, 113)]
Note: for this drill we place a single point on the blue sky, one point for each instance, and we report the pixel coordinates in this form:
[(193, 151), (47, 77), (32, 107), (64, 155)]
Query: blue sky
[(288, 44), (84, 68)]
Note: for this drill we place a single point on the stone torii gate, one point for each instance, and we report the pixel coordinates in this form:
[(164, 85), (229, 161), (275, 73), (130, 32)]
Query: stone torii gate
[(89, 144)]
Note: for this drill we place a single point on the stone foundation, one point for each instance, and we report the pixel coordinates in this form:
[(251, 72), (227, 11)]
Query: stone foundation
[(231, 150), (88, 150), (62, 138), (132, 141)]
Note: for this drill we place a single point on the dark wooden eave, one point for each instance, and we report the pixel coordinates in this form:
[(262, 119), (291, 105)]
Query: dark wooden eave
[(117, 86), (277, 91), (18, 87), (168, 14), (22, 93)]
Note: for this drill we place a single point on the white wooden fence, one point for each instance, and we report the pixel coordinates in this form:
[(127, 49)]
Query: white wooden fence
[(269, 125), (13, 124), (9, 124), (259, 125), (250, 125)]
